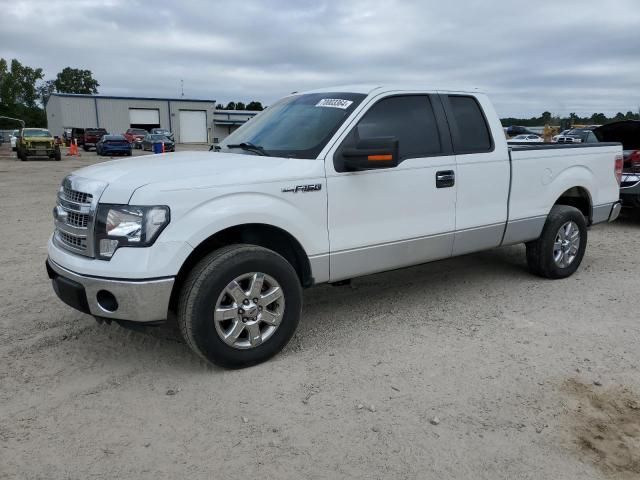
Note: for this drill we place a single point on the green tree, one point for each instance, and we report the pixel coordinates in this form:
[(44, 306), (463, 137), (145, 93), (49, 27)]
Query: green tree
[(19, 94), (18, 84), (219, 106), (619, 116), (230, 106), (74, 80), (599, 118), (255, 106), (545, 118), (240, 106), (45, 89)]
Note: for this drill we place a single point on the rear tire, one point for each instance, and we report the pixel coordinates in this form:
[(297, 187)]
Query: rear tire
[(561, 246), (205, 291)]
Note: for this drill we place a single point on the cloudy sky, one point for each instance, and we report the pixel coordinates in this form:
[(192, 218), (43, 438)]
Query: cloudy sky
[(562, 55)]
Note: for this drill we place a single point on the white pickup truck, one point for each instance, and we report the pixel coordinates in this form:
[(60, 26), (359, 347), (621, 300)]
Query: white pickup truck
[(323, 186)]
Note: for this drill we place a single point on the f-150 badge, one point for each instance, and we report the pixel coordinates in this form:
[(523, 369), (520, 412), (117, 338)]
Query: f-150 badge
[(316, 187)]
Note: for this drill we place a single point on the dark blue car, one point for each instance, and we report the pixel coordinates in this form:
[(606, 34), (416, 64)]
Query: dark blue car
[(113, 145)]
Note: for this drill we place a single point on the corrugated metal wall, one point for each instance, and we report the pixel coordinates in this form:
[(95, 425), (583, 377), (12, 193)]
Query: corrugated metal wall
[(113, 113)]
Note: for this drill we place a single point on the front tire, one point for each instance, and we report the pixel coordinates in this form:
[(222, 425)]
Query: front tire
[(240, 306), (560, 249)]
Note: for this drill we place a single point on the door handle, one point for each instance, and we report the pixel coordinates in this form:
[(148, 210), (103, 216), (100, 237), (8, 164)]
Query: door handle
[(445, 179)]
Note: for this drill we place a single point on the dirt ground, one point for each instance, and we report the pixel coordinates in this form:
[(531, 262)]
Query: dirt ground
[(468, 368)]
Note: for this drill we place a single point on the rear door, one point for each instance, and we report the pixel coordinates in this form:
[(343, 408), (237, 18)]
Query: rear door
[(388, 218), (483, 172)]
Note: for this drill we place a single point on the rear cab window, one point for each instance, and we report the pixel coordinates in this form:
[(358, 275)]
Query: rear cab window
[(469, 128)]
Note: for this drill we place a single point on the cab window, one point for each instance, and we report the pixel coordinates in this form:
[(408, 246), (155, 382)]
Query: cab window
[(410, 119)]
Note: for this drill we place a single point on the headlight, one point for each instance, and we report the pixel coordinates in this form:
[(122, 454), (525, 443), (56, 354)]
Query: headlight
[(128, 226)]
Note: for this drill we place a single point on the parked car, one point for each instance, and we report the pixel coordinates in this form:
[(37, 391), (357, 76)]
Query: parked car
[(578, 135), (163, 131), (113, 145), (135, 136), (526, 139), (1, 138), (92, 136), (37, 142), (514, 130), (554, 139), (321, 187), (627, 132), (151, 138), (14, 140)]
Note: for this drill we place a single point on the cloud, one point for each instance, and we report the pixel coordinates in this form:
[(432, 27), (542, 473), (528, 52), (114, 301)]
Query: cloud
[(571, 56)]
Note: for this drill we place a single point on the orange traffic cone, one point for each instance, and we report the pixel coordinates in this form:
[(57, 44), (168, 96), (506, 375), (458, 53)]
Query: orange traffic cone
[(73, 149)]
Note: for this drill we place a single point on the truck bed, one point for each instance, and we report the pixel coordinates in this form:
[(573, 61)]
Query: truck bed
[(542, 173)]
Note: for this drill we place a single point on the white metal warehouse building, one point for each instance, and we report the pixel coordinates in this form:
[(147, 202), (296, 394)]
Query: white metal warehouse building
[(191, 121)]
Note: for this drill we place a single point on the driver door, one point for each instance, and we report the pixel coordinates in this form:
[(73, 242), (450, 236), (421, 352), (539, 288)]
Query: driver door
[(393, 217)]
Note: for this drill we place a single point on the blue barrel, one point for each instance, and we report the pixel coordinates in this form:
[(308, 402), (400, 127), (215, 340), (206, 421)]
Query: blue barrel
[(157, 147)]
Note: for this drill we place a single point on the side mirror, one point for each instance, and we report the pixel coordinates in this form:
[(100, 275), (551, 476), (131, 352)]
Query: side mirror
[(372, 153)]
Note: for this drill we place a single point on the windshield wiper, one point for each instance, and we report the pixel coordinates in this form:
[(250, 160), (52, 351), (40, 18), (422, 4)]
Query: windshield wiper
[(249, 147)]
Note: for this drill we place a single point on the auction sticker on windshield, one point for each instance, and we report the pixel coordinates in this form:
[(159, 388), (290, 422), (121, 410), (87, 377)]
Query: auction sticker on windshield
[(334, 103)]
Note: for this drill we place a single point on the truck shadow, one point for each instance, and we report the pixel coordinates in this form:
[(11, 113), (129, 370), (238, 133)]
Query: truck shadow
[(629, 217), (431, 283)]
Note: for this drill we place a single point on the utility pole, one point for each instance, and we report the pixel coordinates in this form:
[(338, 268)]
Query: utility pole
[(181, 88)]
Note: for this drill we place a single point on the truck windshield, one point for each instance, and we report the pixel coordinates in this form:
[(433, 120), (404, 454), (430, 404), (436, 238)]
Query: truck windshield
[(298, 126), (28, 132)]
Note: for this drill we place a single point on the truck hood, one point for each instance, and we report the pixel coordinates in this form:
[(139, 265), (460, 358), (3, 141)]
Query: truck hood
[(190, 170)]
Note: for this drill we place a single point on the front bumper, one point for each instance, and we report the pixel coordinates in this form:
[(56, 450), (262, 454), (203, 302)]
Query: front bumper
[(40, 152), (630, 189), (108, 150), (135, 300)]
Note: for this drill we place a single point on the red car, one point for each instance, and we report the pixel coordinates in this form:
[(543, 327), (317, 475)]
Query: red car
[(135, 136), (92, 136)]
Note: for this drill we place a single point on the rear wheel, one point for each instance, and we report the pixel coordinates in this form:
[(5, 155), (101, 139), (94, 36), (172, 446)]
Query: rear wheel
[(240, 306), (560, 249)]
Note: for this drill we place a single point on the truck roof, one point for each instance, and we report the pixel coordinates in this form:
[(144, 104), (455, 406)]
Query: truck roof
[(370, 88)]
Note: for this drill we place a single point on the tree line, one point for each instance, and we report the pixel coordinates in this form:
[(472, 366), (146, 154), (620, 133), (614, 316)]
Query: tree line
[(24, 91), (547, 118), (254, 106)]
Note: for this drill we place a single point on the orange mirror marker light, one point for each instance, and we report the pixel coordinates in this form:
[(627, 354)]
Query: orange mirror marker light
[(380, 157)]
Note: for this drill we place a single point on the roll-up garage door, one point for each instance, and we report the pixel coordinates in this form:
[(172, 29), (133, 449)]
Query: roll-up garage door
[(144, 116), (193, 126)]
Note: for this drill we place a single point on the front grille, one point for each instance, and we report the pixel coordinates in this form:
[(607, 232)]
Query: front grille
[(75, 214), (78, 220), (79, 243), (76, 197), (629, 180)]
